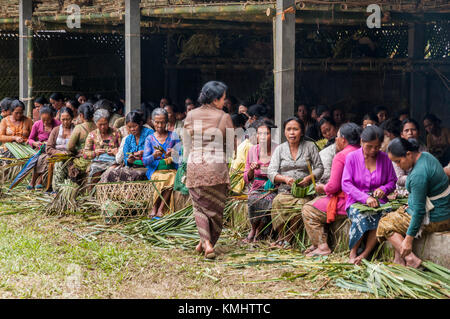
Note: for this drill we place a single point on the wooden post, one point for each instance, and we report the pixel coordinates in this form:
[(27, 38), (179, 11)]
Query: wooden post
[(25, 54), (284, 63), (171, 75), (132, 55), (418, 80)]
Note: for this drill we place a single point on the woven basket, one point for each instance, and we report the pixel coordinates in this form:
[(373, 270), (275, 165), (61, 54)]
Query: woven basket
[(124, 200)]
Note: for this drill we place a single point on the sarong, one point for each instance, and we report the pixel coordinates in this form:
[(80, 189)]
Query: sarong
[(398, 222), (208, 203), (167, 178), (361, 223), (315, 222), (259, 207), (287, 213)]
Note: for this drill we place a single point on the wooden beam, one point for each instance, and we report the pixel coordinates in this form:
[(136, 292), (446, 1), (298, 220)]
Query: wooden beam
[(132, 55), (284, 63), (25, 54)]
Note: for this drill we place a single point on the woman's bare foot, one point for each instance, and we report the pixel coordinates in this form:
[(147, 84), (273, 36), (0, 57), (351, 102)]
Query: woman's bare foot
[(309, 249), (319, 251), (199, 247), (353, 256), (413, 261), (209, 250), (398, 259)]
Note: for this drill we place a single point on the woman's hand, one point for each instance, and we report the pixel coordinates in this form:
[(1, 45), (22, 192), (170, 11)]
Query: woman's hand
[(100, 151), (289, 180), (254, 166), (305, 181), (157, 154), (406, 247), (138, 154), (36, 144), (372, 202), (320, 188), (19, 139), (113, 152), (378, 193)]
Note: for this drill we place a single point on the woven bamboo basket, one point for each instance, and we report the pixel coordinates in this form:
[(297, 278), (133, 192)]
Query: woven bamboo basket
[(124, 200)]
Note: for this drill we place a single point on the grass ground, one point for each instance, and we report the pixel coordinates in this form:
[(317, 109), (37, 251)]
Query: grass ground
[(58, 257)]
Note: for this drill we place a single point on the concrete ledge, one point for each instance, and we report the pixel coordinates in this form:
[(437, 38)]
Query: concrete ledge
[(434, 247)]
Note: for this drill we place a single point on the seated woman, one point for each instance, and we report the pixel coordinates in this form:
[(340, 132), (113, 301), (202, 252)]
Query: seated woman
[(15, 127), (5, 108), (38, 137), (133, 150), (255, 174), (74, 105), (75, 146), (327, 209), (409, 129), (369, 119), (158, 152), (38, 103), (101, 146), (288, 164), (57, 144), (428, 207), (391, 130), (438, 138), (368, 178), (328, 129)]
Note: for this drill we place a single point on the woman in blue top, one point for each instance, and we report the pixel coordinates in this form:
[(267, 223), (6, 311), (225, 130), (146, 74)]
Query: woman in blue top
[(161, 156), (428, 207), (132, 167)]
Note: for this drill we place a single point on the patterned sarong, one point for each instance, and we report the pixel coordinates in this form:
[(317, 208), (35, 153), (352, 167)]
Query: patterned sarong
[(361, 223), (208, 203)]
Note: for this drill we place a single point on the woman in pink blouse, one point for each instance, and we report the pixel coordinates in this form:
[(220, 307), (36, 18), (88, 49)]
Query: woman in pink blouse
[(331, 207), (368, 178), (255, 174), (39, 135)]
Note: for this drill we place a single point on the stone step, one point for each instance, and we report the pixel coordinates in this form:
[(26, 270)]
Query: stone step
[(434, 247)]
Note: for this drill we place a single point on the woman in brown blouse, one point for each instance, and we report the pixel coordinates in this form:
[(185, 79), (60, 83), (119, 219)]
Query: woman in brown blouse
[(207, 171), (15, 127)]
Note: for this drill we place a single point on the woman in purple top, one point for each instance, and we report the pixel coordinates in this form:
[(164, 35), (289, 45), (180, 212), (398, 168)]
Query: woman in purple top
[(41, 129), (368, 178), (255, 174)]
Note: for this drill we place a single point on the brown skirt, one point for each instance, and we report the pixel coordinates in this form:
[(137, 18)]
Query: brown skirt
[(123, 174), (208, 203), (398, 222), (287, 213)]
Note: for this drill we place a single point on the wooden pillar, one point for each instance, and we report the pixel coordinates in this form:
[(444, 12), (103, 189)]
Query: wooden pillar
[(132, 55), (418, 80), (284, 64), (26, 54)]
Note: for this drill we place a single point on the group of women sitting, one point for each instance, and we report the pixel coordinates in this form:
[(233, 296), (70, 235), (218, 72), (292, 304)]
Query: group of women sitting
[(360, 173), (94, 151)]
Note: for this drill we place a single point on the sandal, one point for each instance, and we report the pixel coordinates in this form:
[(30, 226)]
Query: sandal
[(210, 255), (39, 186), (30, 188)]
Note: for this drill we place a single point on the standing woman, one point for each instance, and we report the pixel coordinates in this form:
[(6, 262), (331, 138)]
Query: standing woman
[(367, 179), (288, 164), (57, 144), (428, 207), (15, 127), (438, 138), (207, 172), (255, 174)]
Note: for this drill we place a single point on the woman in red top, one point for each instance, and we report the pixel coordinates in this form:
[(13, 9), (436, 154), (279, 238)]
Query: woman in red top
[(329, 208)]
